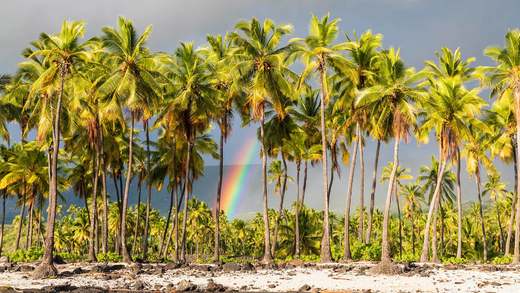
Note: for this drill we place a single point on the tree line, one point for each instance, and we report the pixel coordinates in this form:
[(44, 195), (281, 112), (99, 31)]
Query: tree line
[(86, 101)]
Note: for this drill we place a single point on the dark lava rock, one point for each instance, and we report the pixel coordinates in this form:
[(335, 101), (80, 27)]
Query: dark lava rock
[(23, 268), (58, 260), (231, 267), (107, 268), (89, 290), (304, 288), (248, 267), (271, 286), (172, 266), (186, 286), (214, 287)]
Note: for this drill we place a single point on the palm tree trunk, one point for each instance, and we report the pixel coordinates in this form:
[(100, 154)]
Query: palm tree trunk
[(436, 194), (168, 218), (385, 245), (280, 208), (413, 228), (516, 255), (176, 223), (46, 268), (94, 214), (459, 208), (104, 232), (267, 243), (435, 256), (216, 252), (396, 194), (513, 204), (373, 193), (29, 223), (186, 197), (296, 212), (3, 223), (481, 214), (126, 253), (117, 242), (361, 224), (149, 194), (136, 228), (500, 228), (325, 253), (304, 187), (20, 224), (346, 227)]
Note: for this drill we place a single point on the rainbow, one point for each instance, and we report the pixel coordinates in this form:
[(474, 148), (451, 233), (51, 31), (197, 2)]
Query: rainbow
[(237, 177)]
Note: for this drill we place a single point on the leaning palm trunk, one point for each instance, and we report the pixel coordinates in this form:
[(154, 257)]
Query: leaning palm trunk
[(20, 224), (516, 256), (513, 205), (267, 242), (373, 194), (280, 207), (325, 254), (481, 214), (296, 212), (149, 194), (104, 230), (93, 216), (361, 227), (346, 235), (186, 197), (3, 222), (500, 228), (28, 235), (431, 211), (304, 187), (398, 204), (126, 254), (168, 218), (459, 209), (385, 245), (137, 220), (435, 257), (46, 267), (216, 253)]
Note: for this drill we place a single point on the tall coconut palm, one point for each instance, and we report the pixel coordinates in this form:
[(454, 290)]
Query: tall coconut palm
[(131, 84), (395, 92), (475, 152), (496, 189), (187, 110), (261, 63), (220, 55), (320, 55), (61, 53), (505, 80), (451, 64), (450, 110)]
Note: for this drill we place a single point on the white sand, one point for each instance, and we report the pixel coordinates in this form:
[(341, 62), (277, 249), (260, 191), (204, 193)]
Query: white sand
[(440, 280)]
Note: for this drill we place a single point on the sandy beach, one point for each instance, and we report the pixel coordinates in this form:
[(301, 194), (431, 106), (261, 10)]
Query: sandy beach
[(353, 277)]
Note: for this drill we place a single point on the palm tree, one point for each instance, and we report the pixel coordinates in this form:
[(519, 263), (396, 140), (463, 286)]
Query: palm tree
[(451, 64), (395, 92), (400, 175), (187, 110), (475, 153), (220, 56), (505, 80), (61, 53), (131, 82), (496, 189), (364, 53), (450, 110), (319, 56), (412, 207), (261, 64)]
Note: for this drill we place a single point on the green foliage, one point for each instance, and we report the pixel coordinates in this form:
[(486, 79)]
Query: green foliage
[(109, 257), (368, 252), (502, 260), (26, 255), (406, 257)]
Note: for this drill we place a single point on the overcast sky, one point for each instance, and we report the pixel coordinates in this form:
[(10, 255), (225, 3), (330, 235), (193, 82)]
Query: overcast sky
[(418, 27)]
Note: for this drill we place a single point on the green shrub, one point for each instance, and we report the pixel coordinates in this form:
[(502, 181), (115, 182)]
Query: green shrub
[(368, 252), (310, 258), (23, 255), (502, 260), (454, 261), (406, 257), (109, 257)]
